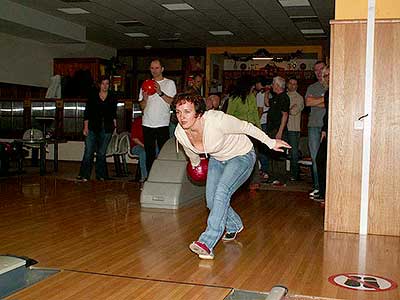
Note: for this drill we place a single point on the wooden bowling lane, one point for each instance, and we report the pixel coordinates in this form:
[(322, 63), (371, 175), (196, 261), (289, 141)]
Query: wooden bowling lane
[(99, 227), (75, 285)]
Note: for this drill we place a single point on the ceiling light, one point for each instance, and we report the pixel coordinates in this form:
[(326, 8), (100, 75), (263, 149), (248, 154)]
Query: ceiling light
[(313, 37), (136, 34), (170, 39), (73, 11), (130, 23), (287, 3), (221, 32), (178, 6), (302, 17), (69, 1), (312, 31)]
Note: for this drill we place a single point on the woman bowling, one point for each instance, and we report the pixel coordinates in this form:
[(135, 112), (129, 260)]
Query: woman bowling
[(223, 139)]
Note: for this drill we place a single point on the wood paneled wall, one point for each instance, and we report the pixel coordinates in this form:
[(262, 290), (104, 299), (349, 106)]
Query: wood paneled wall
[(384, 185), (348, 48), (342, 211)]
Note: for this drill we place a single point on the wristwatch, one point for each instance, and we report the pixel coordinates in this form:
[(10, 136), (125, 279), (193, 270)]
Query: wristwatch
[(161, 94)]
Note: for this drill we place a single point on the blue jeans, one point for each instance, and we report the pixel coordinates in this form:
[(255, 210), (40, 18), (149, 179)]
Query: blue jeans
[(95, 142), (293, 140), (314, 137), (262, 153), (223, 179), (139, 151)]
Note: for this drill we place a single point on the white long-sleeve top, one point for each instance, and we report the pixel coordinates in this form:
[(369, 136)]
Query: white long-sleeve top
[(224, 137)]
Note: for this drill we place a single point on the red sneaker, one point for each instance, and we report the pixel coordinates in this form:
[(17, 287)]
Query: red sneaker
[(201, 250)]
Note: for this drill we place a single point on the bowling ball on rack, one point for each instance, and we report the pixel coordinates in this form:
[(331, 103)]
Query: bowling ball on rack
[(149, 86), (198, 174)]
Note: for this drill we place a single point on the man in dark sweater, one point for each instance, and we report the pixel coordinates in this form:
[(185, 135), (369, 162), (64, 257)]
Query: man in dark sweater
[(322, 151)]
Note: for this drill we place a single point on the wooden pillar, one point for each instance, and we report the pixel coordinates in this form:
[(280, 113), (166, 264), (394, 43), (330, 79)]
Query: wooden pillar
[(347, 91)]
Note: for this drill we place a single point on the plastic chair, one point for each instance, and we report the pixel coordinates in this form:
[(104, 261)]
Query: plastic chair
[(123, 150), (33, 135), (112, 149), (112, 146), (138, 173)]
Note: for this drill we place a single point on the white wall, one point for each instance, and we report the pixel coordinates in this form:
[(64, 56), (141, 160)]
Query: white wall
[(28, 62)]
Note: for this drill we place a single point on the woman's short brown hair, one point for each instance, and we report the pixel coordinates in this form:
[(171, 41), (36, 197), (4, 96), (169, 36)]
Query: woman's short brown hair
[(198, 101)]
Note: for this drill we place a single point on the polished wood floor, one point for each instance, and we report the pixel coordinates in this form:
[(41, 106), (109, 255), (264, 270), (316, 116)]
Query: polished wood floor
[(109, 248)]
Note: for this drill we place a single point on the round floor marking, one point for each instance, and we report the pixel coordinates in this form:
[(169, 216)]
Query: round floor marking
[(362, 282)]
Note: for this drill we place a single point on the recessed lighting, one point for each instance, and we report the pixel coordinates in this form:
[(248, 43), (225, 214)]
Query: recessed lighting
[(303, 17), (221, 32), (136, 34), (288, 3), (178, 6), (312, 31), (69, 1), (170, 39), (313, 37), (130, 23), (73, 11)]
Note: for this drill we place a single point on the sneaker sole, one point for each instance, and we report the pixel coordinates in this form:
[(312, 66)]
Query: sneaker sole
[(232, 239), (208, 256)]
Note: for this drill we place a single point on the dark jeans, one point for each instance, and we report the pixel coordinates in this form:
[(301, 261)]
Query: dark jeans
[(153, 138), (263, 152), (277, 160), (95, 142), (293, 140), (321, 166)]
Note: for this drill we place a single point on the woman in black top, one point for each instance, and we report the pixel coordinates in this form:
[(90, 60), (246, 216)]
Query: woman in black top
[(99, 124)]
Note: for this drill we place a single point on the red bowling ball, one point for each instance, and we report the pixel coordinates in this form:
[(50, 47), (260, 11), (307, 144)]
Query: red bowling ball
[(149, 86), (198, 174)]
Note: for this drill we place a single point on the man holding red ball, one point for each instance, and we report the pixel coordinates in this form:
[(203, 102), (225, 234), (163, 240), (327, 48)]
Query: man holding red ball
[(156, 111)]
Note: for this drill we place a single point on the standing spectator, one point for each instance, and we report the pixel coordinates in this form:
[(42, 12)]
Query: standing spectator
[(262, 97), (213, 102), (315, 100), (196, 85), (296, 106), (242, 102), (276, 128), (322, 152), (99, 123), (156, 112), (137, 146), (242, 105)]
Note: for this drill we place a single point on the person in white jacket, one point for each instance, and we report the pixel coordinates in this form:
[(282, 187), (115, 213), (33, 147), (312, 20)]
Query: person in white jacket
[(223, 138)]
